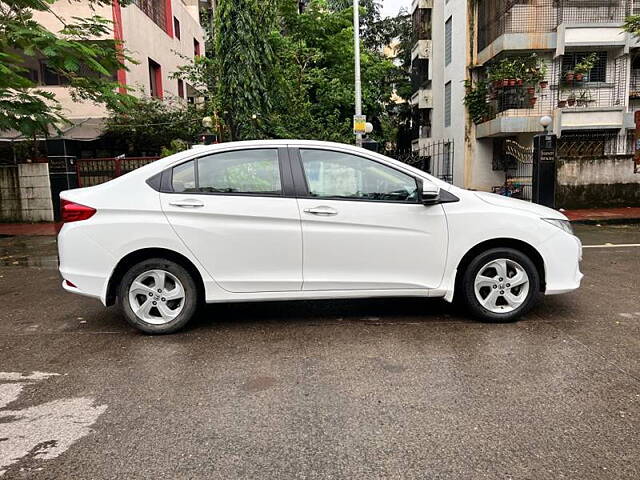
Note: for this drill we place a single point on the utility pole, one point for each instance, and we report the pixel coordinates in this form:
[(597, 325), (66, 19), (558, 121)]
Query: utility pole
[(356, 40)]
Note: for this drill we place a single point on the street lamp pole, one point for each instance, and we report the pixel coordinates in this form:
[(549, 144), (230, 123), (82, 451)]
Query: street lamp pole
[(356, 40)]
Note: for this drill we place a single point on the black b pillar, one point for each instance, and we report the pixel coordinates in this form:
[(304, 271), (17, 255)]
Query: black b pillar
[(544, 169)]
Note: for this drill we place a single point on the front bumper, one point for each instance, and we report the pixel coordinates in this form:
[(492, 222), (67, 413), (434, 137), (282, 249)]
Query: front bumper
[(562, 254)]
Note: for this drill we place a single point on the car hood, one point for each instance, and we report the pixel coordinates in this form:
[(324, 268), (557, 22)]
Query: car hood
[(507, 202)]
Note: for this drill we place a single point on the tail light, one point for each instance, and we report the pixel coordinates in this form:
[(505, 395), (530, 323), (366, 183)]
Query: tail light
[(73, 212)]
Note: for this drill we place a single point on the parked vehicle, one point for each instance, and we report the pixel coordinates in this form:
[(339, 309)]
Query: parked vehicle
[(284, 220)]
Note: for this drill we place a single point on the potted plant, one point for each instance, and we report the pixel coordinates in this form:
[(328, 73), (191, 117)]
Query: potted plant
[(535, 70), (497, 76), (571, 100), (584, 99), (544, 84), (562, 103), (569, 76), (584, 66), (532, 101)]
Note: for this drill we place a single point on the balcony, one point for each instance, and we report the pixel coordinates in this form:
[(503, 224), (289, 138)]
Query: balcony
[(515, 25), (422, 49), (423, 98), (421, 4), (596, 101)]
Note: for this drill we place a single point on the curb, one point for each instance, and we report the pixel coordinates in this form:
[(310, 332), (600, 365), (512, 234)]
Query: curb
[(606, 221)]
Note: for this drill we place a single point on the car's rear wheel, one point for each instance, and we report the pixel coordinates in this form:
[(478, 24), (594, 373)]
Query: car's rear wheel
[(500, 285), (158, 296)]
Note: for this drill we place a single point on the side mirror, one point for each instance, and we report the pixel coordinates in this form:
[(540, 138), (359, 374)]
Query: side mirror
[(430, 194)]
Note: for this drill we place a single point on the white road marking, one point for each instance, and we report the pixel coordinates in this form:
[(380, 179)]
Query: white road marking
[(9, 392), (613, 245), (43, 431), (19, 377)]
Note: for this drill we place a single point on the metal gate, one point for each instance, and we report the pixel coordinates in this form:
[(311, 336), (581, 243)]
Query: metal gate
[(435, 158), (517, 162), (94, 171), (62, 176)]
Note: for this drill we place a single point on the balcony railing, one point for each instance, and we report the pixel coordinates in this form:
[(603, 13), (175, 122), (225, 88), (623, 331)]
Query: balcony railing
[(497, 17), (421, 21), (560, 92)]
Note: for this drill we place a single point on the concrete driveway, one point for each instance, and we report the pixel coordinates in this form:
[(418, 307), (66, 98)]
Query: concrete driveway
[(395, 388)]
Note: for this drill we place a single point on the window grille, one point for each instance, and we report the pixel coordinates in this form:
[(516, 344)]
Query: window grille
[(447, 41), (597, 74), (155, 10)]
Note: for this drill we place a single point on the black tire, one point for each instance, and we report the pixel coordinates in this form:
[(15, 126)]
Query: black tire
[(190, 302), (467, 285)]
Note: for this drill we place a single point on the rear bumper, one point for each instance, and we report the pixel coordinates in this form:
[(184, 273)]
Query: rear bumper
[(562, 254), (84, 263)]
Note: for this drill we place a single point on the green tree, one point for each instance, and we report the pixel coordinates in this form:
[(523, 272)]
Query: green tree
[(302, 84), (150, 126), (70, 53), (245, 63), (313, 92), (632, 25)]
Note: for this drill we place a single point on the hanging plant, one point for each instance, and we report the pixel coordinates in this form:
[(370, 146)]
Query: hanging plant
[(475, 100)]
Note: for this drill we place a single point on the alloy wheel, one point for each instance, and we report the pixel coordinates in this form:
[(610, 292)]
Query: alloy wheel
[(501, 286), (156, 297)]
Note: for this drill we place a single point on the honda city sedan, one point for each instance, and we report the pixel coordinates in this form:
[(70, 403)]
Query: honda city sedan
[(287, 220)]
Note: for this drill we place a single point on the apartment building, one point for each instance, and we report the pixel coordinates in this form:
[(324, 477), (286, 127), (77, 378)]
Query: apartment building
[(568, 59), (421, 72), (160, 35)]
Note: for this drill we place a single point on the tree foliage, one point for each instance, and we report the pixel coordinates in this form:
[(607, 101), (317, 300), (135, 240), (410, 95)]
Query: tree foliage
[(151, 126), (276, 73), (280, 74), (71, 53), (245, 60)]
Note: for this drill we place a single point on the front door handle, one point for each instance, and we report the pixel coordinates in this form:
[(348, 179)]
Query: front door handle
[(187, 203), (321, 211)]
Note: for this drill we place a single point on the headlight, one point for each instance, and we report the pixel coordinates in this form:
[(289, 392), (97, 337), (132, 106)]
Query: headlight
[(562, 224)]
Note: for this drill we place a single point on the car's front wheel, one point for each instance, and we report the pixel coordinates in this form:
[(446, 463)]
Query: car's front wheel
[(500, 285), (158, 296)]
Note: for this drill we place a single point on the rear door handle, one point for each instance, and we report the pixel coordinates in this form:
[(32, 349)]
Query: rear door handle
[(321, 211), (187, 203)]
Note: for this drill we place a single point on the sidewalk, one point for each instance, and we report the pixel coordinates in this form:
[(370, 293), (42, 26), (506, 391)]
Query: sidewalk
[(11, 229), (604, 215)]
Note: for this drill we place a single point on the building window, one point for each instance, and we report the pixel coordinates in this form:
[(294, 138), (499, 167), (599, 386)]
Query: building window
[(176, 27), (419, 73), (447, 41), (597, 74), (155, 79), (421, 24), (156, 10), (50, 76), (447, 104), (180, 88), (196, 48)]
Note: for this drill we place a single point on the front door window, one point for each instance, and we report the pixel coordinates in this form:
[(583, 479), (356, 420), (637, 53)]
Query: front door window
[(335, 175)]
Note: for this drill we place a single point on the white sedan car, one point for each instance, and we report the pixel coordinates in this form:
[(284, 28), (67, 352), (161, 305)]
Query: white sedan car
[(286, 220)]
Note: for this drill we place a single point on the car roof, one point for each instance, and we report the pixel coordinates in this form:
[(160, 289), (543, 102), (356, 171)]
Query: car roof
[(284, 141)]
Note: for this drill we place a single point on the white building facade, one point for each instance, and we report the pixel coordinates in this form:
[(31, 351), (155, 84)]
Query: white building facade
[(567, 59), (160, 35)]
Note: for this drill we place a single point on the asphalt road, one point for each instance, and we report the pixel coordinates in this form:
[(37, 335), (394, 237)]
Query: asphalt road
[(396, 388)]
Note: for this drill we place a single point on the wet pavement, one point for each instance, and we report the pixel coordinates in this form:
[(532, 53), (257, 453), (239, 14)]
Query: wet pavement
[(394, 388)]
